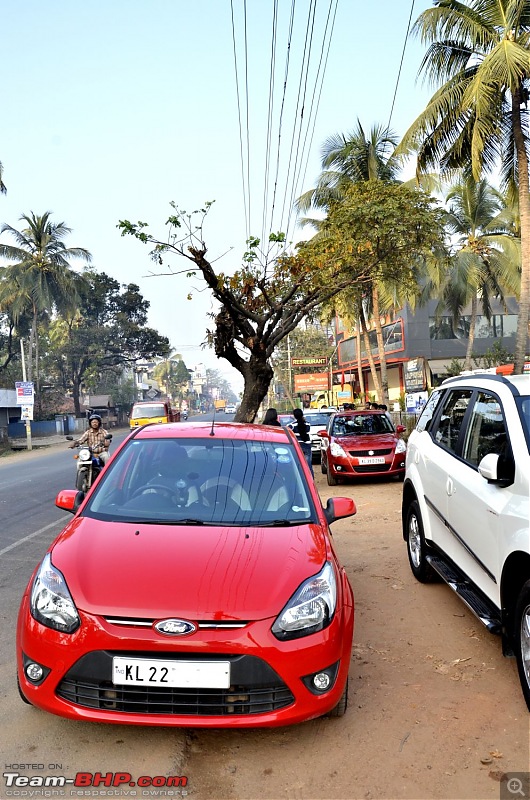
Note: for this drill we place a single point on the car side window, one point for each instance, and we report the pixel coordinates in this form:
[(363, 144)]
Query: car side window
[(428, 411), (452, 417), (486, 431)]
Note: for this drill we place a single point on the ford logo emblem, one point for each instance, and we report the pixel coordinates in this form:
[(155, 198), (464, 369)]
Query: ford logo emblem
[(175, 627)]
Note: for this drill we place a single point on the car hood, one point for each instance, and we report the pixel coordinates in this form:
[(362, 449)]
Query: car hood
[(371, 441), (195, 572)]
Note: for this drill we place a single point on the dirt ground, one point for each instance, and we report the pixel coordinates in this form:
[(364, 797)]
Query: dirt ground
[(435, 710)]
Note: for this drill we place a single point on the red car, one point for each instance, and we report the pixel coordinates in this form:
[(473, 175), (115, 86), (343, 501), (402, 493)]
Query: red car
[(196, 585), (360, 444)]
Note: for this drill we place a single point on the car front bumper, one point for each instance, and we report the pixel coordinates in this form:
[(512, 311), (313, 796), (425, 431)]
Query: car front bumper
[(268, 685)]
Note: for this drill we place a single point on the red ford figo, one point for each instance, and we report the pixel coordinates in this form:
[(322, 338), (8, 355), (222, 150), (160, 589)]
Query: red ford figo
[(362, 444), (196, 585)]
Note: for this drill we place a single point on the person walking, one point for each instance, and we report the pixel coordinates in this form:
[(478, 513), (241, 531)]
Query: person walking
[(301, 430), (271, 418)]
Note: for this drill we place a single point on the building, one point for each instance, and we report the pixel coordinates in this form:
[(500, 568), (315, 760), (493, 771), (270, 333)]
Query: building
[(420, 346)]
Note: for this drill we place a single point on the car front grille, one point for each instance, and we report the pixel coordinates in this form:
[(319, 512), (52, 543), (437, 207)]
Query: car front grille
[(364, 453), (183, 702), (256, 689)]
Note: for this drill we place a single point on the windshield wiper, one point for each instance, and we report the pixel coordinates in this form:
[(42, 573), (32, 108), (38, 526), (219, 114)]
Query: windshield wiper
[(277, 523), (158, 521)]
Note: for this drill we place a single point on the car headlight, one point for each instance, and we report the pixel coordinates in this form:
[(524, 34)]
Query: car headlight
[(311, 607), (51, 603), (401, 446), (336, 450)]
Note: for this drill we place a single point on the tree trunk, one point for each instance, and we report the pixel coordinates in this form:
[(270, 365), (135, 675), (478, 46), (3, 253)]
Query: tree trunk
[(359, 359), (521, 337), (471, 334), (380, 344), (257, 375), (373, 369)]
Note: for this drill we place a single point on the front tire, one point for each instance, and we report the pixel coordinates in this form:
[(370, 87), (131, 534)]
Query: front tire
[(81, 482), (332, 480), (342, 705), (522, 640), (416, 547)]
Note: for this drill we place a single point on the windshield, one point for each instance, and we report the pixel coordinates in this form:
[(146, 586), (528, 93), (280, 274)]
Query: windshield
[(361, 424), (148, 411), (321, 420), (200, 481)]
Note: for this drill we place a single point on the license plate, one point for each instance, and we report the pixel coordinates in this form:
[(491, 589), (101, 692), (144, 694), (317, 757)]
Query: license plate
[(373, 460), (172, 674)]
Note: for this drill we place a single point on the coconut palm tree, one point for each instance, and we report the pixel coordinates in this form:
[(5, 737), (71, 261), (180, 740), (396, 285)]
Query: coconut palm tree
[(351, 159), (40, 279), (3, 188), (478, 56), (486, 257)]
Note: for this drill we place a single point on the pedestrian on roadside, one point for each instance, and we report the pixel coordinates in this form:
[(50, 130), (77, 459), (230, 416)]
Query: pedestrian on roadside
[(271, 418), (301, 429)]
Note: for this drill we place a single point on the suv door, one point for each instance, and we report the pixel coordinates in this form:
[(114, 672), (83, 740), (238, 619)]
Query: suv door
[(474, 508)]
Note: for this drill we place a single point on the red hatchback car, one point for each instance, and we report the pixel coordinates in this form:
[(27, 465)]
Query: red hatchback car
[(360, 444), (196, 585)]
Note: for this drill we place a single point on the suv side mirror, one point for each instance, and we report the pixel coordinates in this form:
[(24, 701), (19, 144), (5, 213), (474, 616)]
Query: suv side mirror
[(498, 470)]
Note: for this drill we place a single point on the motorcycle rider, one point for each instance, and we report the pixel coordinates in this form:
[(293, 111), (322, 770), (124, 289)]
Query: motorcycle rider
[(94, 437)]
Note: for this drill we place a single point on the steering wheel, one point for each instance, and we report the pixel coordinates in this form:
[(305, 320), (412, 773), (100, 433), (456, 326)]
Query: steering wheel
[(156, 488)]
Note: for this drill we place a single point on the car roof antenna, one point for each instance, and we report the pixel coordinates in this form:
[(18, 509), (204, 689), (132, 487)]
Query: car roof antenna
[(213, 423)]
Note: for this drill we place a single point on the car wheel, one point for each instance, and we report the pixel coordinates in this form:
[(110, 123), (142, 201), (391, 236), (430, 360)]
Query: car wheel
[(22, 695), (342, 705), (416, 547), (332, 480), (522, 640), (323, 469)]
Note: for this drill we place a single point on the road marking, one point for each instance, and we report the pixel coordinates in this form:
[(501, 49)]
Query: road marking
[(32, 535)]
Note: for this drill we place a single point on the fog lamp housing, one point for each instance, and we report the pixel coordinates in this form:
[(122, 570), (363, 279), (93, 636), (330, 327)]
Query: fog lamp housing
[(34, 672), (322, 681)]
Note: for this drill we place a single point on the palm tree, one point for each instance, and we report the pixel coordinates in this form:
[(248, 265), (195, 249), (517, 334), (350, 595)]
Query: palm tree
[(346, 160), (40, 279), (486, 257), (478, 55), (3, 187), (350, 159)]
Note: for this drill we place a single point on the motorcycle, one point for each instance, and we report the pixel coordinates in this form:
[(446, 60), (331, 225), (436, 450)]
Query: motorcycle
[(89, 465), (184, 415)]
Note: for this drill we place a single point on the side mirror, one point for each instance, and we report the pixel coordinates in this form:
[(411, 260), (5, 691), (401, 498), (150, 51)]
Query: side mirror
[(108, 437), (400, 429), (497, 470), (69, 438), (339, 508), (323, 434), (69, 500)]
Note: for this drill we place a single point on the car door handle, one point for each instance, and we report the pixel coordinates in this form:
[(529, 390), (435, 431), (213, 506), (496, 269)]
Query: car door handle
[(450, 487)]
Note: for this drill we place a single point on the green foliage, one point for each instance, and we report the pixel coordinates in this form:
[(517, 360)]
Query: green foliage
[(455, 368), (496, 355)]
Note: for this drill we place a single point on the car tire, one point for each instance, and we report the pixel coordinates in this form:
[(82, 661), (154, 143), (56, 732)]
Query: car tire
[(22, 695), (323, 469), (332, 480), (416, 547), (340, 709), (522, 640)]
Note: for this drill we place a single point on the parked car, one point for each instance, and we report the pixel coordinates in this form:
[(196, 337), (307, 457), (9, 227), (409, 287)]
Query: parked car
[(285, 419), (360, 444), (196, 585), (466, 502), (316, 421), (231, 409)]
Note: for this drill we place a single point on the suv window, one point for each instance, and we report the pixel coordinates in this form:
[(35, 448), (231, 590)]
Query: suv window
[(486, 432), (451, 418), (428, 411)]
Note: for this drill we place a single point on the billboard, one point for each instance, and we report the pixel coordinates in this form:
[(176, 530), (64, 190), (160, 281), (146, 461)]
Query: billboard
[(311, 382)]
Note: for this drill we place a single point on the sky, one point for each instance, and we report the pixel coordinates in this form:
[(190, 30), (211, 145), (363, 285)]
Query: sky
[(114, 108)]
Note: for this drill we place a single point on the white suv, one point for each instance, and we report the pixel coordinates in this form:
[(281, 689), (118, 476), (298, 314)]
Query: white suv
[(466, 502)]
